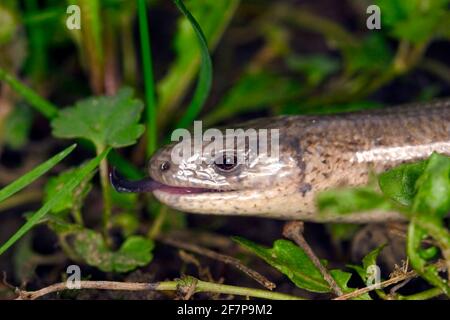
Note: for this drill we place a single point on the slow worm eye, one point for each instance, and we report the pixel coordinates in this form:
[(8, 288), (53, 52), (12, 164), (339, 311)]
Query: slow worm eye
[(226, 163), (165, 166)]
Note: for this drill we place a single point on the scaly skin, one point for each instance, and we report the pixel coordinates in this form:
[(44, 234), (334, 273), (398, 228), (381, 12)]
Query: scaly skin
[(316, 153)]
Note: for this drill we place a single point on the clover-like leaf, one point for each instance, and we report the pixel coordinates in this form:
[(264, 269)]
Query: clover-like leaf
[(105, 121), (135, 252)]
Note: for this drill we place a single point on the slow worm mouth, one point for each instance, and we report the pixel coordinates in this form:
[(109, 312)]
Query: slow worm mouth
[(120, 184)]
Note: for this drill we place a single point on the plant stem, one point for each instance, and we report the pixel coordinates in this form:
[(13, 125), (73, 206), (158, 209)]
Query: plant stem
[(310, 21), (104, 181), (435, 228), (424, 295), (178, 285), (203, 286), (67, 249), (414, 241), (158, 223), (294, 230), (128, 48), (38, 56), (236, 263), (92, 42), (77, 216), (150, 99), (436, 68)]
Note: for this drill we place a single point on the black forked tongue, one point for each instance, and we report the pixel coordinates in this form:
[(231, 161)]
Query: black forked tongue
[(122, 185)]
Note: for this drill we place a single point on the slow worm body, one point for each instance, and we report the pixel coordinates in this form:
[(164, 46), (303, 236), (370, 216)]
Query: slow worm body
[(315, 153)]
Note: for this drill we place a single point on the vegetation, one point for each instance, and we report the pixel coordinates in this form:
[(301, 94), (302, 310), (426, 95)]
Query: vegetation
[(269, 58)]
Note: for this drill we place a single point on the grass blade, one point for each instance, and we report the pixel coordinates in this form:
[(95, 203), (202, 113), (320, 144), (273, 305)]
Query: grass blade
[(36, 101), (214, 16), (150, 99), (31, 176), (205, 76), (68, 188), (38, 44)]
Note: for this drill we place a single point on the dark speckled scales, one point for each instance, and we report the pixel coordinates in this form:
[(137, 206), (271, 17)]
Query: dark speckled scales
[(328, 145)]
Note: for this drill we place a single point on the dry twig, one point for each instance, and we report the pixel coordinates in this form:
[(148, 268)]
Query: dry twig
[(294, 230), (399, 277), (185, 286), (220, 257)]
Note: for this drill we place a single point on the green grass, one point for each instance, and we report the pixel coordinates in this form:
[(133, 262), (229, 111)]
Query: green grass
[(203, 87), (48, 109), (68, 189), (150, 99), (34, 174)]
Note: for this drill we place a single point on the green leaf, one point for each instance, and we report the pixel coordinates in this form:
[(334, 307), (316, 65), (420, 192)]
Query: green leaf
[(371, 55), (213, 16), (61, 226), (18, 127), (399, 183), (414, 20), (106, 121), (433, 188), (31, 176), (50, 111), (56, 184), (125, 201), (369, 260), (342, 278), (69, 187), (424, 185), (351, 200), (135, 252), (290, 260)]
